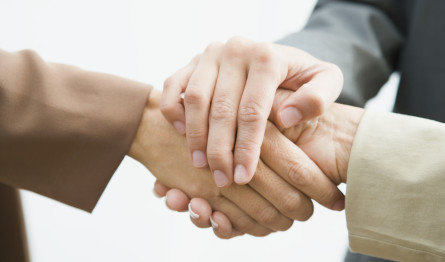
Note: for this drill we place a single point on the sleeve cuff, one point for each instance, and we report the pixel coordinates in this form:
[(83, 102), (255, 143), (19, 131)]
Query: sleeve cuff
[(395, 203)]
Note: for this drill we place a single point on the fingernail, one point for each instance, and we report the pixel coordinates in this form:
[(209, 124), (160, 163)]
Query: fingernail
[(193, 214), (214, 224), (240, 174), (179, 126), (339, 205), (290, 116), (220, 178), (199, 159)]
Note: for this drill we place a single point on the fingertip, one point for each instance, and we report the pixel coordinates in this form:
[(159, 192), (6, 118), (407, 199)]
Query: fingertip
[(180, 127), (289, 116), (200, 211), (221, 179), (340, 204), (159, 189), (241, 175), (177, 200)]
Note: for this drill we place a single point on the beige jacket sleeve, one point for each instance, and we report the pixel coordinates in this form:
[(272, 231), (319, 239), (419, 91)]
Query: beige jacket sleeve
[(395, 204), (63, 130)]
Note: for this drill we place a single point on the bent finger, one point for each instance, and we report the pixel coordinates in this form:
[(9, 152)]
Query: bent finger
[(177, 200), (172, 106), (299, 170), (312, 98)]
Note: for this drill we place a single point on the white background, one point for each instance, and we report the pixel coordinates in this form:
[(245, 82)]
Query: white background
[(148, 41)]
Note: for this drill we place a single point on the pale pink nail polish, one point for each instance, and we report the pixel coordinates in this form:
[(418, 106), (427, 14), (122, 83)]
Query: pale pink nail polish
[(214, 224), (240, 174), (179, 126), (220, 178), (199, 159), (193, 214), (290, 116)]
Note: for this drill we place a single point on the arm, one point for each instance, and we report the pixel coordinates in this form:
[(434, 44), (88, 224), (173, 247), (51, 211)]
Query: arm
[(63, 130), (393, 166), (399, 214), (363, 38)]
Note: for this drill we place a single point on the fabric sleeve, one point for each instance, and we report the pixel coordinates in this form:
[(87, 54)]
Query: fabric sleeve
[(395, 201), (63, 130), (361, 37)]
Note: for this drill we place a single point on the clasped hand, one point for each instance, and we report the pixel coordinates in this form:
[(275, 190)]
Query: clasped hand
[(230, 92)]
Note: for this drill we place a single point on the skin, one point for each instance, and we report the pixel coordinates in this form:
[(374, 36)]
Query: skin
[(257, 209), (327, 140), (228, 95)]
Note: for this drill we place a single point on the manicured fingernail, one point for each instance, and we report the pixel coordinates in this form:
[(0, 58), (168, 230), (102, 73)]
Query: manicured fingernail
[(290, 116), (214, 224), (339, 205), (240, 174), (179, 126), (220, 178), (193, 214), (199, 159)]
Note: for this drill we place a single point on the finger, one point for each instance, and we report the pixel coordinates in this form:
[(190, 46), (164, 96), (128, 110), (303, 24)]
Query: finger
[(223, 112), (257, 207), (298, 169), (313, 97), (222, 227), (240, 220), (200, 212), (197, 99), (256, 102), (177, 200), (171, 102), (160, 189), (287, 199)]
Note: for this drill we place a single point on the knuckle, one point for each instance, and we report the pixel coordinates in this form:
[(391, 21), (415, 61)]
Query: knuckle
[(264, 53), (248, 146), (290, 203), (213, 47), (299, 174), (306, 214), (251, 112), (243, 224), (236, 47), (193, 96), (316, 102), (222, 109), (328, 197), (169, 82), (196, 135), (334, 72), (268, 216), (216, 155), (167, 108)]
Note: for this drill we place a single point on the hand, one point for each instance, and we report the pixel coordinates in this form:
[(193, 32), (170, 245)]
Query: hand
[(327, 140), (229, 91), (164, 153)]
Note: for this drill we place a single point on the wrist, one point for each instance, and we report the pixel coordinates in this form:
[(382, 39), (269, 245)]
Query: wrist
[(345, 131), (143, 137)]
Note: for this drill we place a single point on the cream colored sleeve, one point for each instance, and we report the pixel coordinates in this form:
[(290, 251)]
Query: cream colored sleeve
[(395, 203)]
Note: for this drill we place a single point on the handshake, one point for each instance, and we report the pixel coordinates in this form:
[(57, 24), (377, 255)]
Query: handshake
[(262, 138)]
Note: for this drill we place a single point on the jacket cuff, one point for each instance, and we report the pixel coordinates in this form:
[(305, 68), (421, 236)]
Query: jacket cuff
[(395, 203)]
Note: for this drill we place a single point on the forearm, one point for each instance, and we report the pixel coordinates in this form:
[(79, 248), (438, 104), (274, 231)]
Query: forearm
[(63, 130)]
